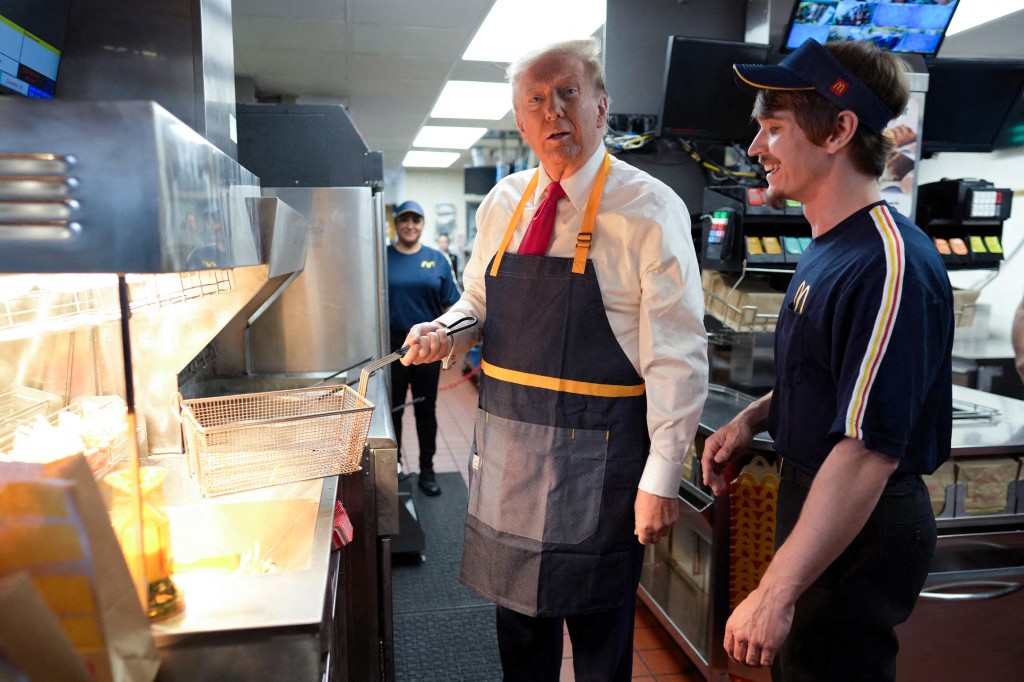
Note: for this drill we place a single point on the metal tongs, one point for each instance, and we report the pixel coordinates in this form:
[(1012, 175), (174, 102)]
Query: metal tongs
[(460, 325)]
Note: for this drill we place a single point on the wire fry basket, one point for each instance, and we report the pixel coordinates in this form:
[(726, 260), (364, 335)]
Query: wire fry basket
[(255, 440)]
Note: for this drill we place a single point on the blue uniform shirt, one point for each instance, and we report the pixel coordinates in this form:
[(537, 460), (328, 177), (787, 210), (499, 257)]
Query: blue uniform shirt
[(420, 286), (863, 346)]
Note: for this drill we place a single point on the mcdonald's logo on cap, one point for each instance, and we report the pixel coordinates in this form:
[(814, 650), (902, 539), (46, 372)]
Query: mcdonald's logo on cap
[(840, 86)]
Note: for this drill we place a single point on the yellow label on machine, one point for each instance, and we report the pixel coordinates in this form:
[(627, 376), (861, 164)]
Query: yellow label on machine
[(992, 242)]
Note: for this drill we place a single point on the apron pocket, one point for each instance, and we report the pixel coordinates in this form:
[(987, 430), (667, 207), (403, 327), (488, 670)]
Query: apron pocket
[(538, 482)]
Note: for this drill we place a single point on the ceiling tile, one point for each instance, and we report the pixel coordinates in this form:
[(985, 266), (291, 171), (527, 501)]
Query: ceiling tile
[(423, 92), (258, 62), (285, 34), (397, 67), (408, 41), (309, 10), (466, 15)]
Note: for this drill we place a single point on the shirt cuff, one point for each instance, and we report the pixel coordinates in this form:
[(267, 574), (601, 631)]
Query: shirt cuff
[(449, 318), (661, 477), (446, 320)]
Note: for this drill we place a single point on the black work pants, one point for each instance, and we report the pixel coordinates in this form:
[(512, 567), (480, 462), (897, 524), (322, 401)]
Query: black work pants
[(602, 643), (423, 380), (843, 625)]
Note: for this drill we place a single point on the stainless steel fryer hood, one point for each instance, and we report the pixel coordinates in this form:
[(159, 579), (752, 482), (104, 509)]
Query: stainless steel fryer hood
[(116, 187)]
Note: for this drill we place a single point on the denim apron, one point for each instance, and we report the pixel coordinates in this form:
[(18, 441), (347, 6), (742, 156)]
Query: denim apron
[(561, 438)]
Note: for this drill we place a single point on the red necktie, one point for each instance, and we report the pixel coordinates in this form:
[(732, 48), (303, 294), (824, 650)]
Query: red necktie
[(538, 234)]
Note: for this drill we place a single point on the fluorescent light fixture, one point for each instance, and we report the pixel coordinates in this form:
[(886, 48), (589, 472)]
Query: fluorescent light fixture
[(448, 137), (514, 27), (970, 13), (473, 99), (415, 159)]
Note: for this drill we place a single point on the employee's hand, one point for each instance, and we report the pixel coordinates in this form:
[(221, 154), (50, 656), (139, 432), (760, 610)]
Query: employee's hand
[(428, 342), (723, 454), (757, 628), (655, 516)]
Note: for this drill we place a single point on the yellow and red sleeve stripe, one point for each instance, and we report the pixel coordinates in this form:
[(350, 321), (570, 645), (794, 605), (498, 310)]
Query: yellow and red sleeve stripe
[(895, 259)]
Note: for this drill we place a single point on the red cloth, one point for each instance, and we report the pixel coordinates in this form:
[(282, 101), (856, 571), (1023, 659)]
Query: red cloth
[(342, 526), (538, 234)]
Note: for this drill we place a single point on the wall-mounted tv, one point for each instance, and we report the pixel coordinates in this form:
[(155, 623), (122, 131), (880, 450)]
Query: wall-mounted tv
[(973, 105), (908, 27), (31, 40), (700, 97), (480, 179)]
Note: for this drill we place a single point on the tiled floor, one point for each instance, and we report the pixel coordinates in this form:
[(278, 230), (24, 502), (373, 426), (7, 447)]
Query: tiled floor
[(656, 657)]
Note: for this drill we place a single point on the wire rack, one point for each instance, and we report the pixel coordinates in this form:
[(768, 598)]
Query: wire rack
[(102, 456), (742, 319), (255, 440), (66, 302), (16, 407)]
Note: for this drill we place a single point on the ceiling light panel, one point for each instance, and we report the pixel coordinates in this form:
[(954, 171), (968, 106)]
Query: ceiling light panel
[(472, 99), (448, 137), (514, 27), (418, 159)]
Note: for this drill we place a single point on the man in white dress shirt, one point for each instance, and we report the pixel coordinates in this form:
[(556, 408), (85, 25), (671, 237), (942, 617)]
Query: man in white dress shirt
[(594, 375)]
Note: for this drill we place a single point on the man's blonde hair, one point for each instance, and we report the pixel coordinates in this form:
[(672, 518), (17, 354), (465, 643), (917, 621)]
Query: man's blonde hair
[(588, 50)]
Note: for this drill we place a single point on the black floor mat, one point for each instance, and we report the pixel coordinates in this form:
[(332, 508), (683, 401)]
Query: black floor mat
[(443, 631)]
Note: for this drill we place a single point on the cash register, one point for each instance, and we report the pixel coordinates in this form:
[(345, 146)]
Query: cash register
[(964, 218), (741, 229)]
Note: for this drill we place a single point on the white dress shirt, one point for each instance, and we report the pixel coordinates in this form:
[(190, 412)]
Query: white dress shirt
[(647, 270)]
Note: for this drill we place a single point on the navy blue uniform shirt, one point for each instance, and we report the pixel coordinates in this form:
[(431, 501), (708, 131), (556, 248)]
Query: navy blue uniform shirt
[(420, 286), (863, 346)]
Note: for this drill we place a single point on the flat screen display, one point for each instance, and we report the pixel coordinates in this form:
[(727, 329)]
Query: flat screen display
[(701, 99), (973, 105), (480, 179), (31, 40), (908, 27)]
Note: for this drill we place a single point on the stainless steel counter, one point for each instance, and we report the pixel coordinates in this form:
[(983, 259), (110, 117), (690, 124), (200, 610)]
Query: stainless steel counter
[(243, 624), (983, 424), (1001, 432), (721, 406), (292, 524), (315, 613)]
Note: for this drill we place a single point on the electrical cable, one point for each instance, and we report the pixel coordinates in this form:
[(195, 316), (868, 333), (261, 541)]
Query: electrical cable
[(694, 154)]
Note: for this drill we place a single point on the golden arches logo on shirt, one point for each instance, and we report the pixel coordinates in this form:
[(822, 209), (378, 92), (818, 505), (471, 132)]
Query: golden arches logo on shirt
[(800, 300), (427, 263)]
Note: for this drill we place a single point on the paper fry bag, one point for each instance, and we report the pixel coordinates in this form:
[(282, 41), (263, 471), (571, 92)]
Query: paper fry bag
[(31, 637), (133, 655)]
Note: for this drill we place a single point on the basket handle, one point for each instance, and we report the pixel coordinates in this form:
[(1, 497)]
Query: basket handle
[(177, 403), (461, 324)]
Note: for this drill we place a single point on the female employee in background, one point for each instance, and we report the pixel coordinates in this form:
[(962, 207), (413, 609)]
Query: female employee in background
[(420, 287)]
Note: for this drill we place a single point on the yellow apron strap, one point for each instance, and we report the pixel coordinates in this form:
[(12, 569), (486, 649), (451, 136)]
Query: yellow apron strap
[(513, 222), (564, 385), (579, 261)]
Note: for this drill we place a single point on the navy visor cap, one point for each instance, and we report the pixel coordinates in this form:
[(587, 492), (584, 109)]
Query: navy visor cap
[(811, 67), (409, 207)]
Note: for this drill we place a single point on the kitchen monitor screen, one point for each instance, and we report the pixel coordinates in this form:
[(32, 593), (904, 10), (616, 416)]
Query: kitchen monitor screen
[(31, 39), (909, 27), (973, 105), (701, 99)]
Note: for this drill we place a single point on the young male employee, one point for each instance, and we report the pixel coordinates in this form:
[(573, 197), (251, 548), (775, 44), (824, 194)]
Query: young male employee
[(862, 403)]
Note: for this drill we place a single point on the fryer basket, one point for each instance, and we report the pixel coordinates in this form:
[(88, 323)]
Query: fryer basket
[(254, 440)]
